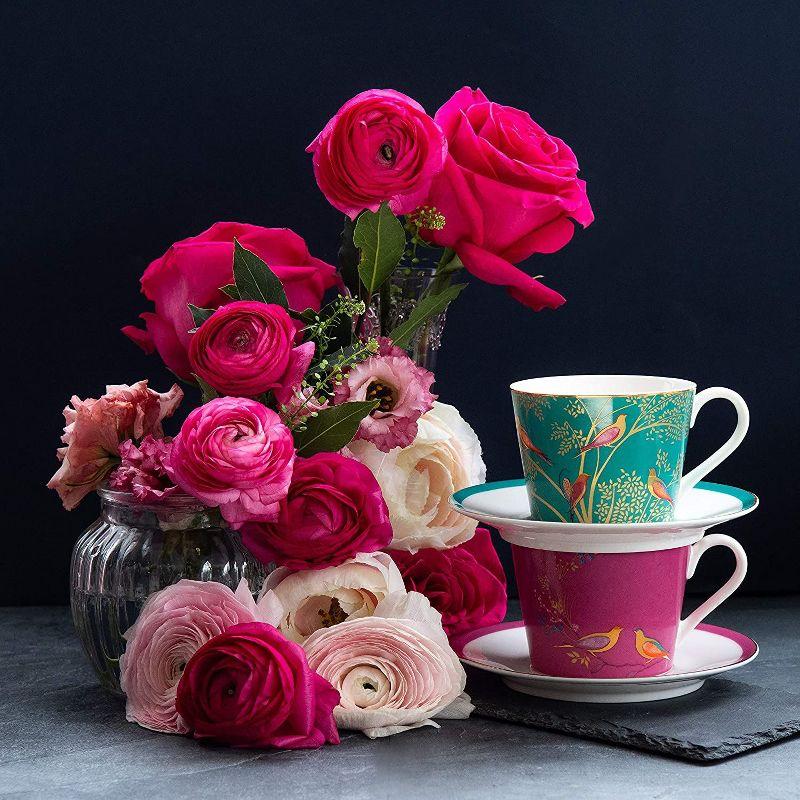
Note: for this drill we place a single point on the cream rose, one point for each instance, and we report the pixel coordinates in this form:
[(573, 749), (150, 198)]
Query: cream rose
[(417, 480), (319, 598), (394, 670)]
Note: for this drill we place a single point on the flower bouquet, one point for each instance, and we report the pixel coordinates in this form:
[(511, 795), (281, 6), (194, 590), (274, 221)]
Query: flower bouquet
[(318, 439)]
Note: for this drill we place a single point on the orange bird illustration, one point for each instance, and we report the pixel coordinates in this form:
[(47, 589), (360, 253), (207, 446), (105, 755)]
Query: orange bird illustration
[(574, 492), (529, 445), (648, 648), (608, 435), (657, 488), (595, 643)]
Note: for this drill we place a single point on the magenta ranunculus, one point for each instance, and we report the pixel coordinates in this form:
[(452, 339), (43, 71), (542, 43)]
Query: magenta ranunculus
[(194, 269), (252, 687), (334, 510), (465, 584), (508, 189), (142, 471), (402, 389), (380, 145), (236, 454), (171, 626), (96, 427), (246, 348)]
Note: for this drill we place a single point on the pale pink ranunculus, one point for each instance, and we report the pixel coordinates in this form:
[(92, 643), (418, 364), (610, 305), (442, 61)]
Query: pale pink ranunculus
[(333, 511), (96, 427), (194, 269), (417, 480), (314, 599), (142, 471), (394, 670), (172, 625), (247, 348), (508, 190), (234, 453), (252, 687), (466, 584), (380, 145), (402, 389)]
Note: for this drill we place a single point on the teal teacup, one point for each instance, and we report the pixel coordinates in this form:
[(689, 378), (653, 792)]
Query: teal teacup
[(610, 448)]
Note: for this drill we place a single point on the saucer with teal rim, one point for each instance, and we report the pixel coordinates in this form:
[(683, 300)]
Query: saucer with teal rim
[(504, 505)]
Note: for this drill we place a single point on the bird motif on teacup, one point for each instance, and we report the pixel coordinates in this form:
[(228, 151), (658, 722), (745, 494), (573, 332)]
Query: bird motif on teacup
[(609, 435), (649, 648), (595, 643)]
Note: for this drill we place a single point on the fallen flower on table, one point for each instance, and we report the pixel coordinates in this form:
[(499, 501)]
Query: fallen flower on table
[(173, 624), (251, 687), (394, 670), (314, 599)]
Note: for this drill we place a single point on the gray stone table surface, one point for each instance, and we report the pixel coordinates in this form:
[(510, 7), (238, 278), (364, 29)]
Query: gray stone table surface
[(61, 736)]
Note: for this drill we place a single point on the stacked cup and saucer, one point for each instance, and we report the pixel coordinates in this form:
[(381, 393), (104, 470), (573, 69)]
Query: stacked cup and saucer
[(605, 531)]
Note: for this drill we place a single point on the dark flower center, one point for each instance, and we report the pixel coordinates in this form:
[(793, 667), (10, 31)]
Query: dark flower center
[(368, 685), (240, 339), (386, 152), (333, 616), (383, 393)]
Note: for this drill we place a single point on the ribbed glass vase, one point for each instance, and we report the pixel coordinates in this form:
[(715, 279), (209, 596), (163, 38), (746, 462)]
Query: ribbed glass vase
[(390, 309), (133, 550)]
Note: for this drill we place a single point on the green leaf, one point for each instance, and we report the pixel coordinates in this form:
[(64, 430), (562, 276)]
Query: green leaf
[(254, 279), (200, 315), (348, 257), (206, 389), (427, 308), (231, 290), (381, 238), (332, 428)]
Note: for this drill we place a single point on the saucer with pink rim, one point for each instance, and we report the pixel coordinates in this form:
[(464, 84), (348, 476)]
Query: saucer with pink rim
[(706, 651)]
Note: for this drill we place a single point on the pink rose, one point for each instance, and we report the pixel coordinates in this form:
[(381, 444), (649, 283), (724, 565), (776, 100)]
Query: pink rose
[(465, 584), (95, 429), (194, 269), (334, 510), (380, 145), (236, 454), (394, 670), (142, 471), (507, 190), (251, 687), (246, 348), (402, 389), (172, 625)]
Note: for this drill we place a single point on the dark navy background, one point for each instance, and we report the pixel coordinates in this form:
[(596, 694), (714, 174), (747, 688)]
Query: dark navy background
[(128, 126)]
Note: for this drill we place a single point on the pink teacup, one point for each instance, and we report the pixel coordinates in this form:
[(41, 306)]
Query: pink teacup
[(612, 615)]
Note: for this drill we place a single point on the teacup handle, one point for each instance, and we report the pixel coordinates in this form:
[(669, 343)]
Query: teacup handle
[(690, 479), (725, 591)]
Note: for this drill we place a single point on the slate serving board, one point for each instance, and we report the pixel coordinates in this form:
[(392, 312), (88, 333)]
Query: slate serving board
[(722, 719)]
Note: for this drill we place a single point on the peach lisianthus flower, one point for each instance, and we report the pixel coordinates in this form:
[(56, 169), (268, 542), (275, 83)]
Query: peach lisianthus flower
[(394, 670), (96, 427), (314, 599)]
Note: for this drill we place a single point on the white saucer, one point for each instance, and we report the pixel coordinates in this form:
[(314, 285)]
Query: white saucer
[(504, 505), (708, 650)]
